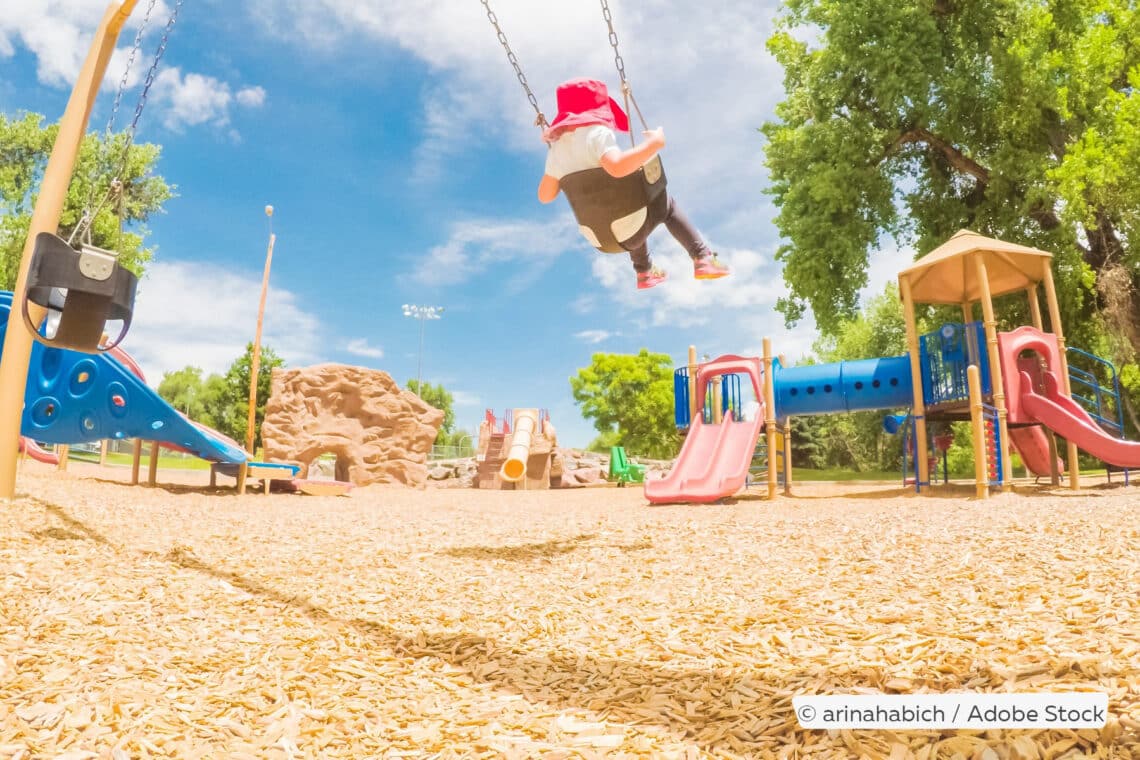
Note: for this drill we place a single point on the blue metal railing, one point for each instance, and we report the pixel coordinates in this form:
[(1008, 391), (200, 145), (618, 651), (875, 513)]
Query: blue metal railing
[(730, 398), (944, 356), (1095, 397), (681, 398)]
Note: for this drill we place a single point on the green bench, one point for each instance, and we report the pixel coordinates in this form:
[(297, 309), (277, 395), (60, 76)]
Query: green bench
[(622, 470)]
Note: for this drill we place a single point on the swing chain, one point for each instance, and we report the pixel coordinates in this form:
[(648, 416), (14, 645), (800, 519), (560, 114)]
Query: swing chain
[(614, 44), (626, 88), (117, 186), (540, 119), (130, 64)]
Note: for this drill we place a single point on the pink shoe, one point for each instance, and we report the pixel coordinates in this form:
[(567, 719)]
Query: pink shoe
[(709, 268), (653, 277)]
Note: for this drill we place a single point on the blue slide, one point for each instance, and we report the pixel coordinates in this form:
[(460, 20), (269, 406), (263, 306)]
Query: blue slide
[(849, 386), (74, 397)]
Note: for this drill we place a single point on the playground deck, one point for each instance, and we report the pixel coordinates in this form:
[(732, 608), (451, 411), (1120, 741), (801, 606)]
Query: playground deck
[(179, 622)]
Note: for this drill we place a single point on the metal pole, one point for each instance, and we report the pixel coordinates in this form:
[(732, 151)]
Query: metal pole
[(45, 218), (255, 361), (420, 361)]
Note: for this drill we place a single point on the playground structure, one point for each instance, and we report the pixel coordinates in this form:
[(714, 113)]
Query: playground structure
[(73, 397), (1013, 387), (516, 452)]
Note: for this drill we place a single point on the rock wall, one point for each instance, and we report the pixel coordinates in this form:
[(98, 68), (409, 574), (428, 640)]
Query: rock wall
[(379, 432)]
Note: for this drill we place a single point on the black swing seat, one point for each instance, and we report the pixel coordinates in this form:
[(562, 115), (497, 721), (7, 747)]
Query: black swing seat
[(612, 209), (87, 288)]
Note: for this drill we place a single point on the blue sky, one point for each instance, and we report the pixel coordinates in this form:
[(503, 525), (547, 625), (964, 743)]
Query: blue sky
[(398, 151)]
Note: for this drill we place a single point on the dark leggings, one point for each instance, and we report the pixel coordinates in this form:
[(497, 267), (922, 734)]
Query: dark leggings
[(679, 227)]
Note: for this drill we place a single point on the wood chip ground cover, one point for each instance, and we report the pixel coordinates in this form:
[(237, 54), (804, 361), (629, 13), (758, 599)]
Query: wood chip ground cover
[(180, 622)]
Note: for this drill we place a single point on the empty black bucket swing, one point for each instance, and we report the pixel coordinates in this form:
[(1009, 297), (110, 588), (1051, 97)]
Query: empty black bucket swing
[(86, 288)]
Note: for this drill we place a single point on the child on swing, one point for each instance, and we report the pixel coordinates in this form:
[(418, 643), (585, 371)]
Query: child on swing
[(583, 136)]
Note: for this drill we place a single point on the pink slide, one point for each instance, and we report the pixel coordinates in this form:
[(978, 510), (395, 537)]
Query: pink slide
[(714, 461), (1033, 445), (37, 452), (1063, 416)]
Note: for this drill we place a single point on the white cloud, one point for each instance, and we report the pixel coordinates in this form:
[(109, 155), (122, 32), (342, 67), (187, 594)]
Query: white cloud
[(204, 316), (59, 33), (251, 97), (466, 398), (190, 100), (884, 266), (703, 73), (595, 336), (750, 292), (360, 347), (476, 246)]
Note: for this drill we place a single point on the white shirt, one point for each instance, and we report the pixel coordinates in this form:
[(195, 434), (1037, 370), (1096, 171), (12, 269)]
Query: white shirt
[(580, 149)]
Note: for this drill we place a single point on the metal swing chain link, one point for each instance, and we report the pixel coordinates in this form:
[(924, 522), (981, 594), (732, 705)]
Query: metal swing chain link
[(130, 63), (105, 165), (626, 88), (540, 119), (116, 187)]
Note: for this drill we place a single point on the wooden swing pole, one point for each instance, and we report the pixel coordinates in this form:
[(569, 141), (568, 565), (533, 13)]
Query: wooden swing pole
[(45, 218), (255, 360)]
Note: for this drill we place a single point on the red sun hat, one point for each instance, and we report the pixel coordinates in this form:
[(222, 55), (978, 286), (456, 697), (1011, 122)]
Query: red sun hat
[(582, 102)]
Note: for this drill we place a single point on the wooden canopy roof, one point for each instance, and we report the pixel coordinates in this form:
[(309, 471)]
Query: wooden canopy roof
[(948, 274)]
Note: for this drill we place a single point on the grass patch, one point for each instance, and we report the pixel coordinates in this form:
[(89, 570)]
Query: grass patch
[(165, 462), (804, 474)]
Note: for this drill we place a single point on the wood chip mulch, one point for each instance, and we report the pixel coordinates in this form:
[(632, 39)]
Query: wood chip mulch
[(180, 622)]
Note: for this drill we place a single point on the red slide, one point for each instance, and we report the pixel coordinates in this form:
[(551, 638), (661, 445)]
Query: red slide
[(37, 452), (714, 461), (1033, 446), (1063, 416)]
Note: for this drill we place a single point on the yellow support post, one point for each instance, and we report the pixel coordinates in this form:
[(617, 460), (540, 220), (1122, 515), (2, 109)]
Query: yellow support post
[(1034, 307), (996, 382), (45, 218), (1055, 323), (770, 419), (63, 451), (152, 467), (136, 460), (788, 456), (717, 412), (1035, 315), (978, 430), (919, 406)]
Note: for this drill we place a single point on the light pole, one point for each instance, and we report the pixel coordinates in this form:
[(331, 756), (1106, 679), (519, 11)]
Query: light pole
[(255, 359), (422, 313)]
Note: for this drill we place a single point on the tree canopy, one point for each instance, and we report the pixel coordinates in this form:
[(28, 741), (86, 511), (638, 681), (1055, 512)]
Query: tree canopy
[(904, 122), (25, 145), (630, 400), (222, 401), (441, 399)]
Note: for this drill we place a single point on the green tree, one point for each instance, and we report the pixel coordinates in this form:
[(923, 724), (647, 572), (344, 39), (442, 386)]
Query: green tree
[(183, 390), (854, 441), (441, 399), (237, 393), (26, 144), (630, 400), (218, 409), (1016, 118)]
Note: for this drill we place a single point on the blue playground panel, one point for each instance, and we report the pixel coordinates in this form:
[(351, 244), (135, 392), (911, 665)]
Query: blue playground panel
[(730, 397), (849, 386), (944, 356), (74, 397)]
